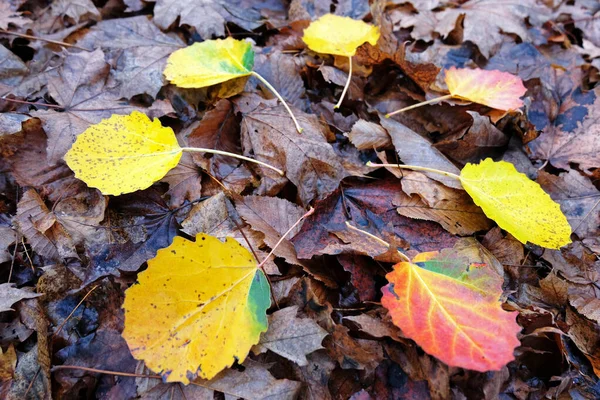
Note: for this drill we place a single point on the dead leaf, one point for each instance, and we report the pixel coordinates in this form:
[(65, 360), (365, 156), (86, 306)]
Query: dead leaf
[(13, 70), (76, 9), (8, 363), (283, 72), (367, 135), (10, 16), (9, 295)]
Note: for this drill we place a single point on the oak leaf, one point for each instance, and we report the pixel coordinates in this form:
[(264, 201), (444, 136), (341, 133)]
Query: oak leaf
[(452, 310), (208, 314)]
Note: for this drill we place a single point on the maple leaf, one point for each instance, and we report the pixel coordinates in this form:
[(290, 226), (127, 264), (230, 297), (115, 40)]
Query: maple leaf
[(140, 51), (208, 17), (309, 161), (291, 337), (452, 310), (209, 314), (82, 87), (76, 9), (9, 295)]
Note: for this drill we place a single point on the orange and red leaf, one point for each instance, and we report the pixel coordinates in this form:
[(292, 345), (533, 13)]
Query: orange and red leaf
[(452, 311)]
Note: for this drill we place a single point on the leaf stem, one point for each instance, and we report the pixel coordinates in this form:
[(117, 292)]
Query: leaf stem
[(308, 213), (276, 93), (339, 103), (43, 40), (226, 153), (415, 168), (31, 103), (381, 241), (435, 100)]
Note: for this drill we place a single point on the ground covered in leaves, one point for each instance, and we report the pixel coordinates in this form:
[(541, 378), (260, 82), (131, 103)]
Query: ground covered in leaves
[(68, 253)]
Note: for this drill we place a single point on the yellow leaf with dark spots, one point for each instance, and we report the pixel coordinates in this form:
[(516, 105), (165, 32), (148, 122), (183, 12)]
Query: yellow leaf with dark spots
[(124, 153), (199, 307)]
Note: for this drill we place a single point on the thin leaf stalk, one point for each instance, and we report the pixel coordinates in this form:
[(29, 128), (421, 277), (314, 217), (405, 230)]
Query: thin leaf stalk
[(276, 93), (423, 103), (415, 168), (226, 153), (339, 103), (381, 241)]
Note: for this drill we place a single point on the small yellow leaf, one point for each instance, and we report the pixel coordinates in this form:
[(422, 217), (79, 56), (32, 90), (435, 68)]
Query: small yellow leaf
[(124, 153), (198, 307), (516, 203), (332, 34), (210, 62)]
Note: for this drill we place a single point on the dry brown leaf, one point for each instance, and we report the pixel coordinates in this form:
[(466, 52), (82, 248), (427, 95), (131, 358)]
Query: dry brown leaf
[(367, 135), (9, 295)]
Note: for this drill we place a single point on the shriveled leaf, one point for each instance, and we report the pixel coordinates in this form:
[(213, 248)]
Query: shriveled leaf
[(9, 295), (124, 153), (516, 203), (209, 300), (210, 62), (495, 89), (452, 310), (291, 337), (332, 34)]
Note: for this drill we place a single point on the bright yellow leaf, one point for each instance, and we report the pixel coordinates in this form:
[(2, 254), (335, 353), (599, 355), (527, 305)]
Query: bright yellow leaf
[(198, 307), (210, 62), (332, 34), (516, 203), (124, 153)]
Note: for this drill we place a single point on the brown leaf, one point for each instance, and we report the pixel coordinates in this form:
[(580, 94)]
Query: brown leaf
[(140, 50), (377, 323), (315, 376), (9, 295), (185, 181), (13, 70), (362, 275), (8, 363), (414, 149), (291, 337), (367, 135), (283, 72), (308, 160), (353, 353), (586, 337), (7, 237), (508, 250), (586, 306)]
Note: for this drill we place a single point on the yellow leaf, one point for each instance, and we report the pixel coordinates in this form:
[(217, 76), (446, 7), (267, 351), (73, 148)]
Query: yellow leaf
[(124, 153), (210, 62), (332, 34), (516, 203), (198, 307)]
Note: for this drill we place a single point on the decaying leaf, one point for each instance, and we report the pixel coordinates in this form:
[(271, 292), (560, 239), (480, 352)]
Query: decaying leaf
[(9, 295), (452, 310), (210, 62), (332, 34), (495, 89), (208, 314), (516, 203), (124, 153)]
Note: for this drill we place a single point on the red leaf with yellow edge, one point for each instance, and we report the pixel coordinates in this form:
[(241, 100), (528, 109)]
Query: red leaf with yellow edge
[(495, 89), (452, 310)]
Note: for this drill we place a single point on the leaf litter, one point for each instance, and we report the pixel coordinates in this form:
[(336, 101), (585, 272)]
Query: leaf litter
[(337, 316)]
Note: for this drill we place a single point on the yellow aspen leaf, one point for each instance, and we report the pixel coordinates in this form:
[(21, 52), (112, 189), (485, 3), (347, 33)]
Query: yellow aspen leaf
[(332, 34), (496, 89), (452, 310), (199, 307), (124, 153), (210, 62), (517, 204)]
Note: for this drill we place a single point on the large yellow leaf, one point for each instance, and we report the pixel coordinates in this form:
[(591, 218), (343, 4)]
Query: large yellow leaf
[(516, 203), (124, 153), (210, 62), (332, 34), (198, 307)]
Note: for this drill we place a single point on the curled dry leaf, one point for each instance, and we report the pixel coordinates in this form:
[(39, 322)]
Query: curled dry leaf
[(341, 36), (124, 153), (208, 314), (495, 89), (516, 203), (452, 310)]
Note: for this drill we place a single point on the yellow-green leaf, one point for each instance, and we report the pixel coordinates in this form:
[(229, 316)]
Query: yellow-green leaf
[(516, 203), (332, 34), (210, 62), (124, 153), (198, 307)]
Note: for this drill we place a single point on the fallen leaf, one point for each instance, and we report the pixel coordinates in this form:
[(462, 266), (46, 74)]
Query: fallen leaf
[(473, 332), (495, 89), (332, 34), (13, 70), (9, 295), (586, 337), (188, 338), (137, 150), (291, 337), (141, 51), (8, 363), (353, 353), (283, 72), (185, 181), (210, 62), (367, 135), (308, 160), (7, 237), (516, 203), (361, 275), (76, 9), (10, 15), (11, 123)]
